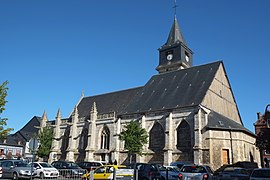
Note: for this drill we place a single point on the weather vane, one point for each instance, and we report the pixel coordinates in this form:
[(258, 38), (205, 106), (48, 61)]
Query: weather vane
[(174, 7)]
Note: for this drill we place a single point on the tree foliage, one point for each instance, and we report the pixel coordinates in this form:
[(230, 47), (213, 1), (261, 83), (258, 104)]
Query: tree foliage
[(134, 137), (263, 139), (3, 121), (45, 139)]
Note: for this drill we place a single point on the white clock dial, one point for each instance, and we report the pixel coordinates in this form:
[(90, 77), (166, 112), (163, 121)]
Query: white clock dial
[(169, 57)]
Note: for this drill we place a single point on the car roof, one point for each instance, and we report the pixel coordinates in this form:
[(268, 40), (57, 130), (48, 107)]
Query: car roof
[(14, 160), (111, 165), (264, 169), (180, 162), (63, 161), (102, 162)]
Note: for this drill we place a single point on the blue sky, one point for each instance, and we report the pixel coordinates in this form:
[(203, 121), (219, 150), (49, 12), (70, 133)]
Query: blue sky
[(50, 51)]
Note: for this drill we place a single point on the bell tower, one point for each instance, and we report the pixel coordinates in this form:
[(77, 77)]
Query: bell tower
[(174, 54)]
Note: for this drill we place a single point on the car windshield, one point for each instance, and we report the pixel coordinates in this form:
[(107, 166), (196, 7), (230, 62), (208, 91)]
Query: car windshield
[(174, 169), (21, 164), (162, 168), (261, 173), (45, 165), (193, 169), (71, 164), (235, 170)]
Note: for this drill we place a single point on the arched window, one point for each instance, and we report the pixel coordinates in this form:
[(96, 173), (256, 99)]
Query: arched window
[(105, 138), (65, 139), (83, 139), (157, 138), (184, 137)]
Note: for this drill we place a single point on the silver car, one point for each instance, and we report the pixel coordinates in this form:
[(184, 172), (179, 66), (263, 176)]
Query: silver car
[(16, 169), (260, 174), (196, 172)]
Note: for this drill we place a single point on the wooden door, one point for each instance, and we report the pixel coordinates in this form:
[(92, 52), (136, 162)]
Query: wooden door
[(225, 156)]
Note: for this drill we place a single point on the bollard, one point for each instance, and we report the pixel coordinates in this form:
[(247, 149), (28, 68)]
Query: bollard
[(136, 172), (114, 174), (167, 174), (91, 175)]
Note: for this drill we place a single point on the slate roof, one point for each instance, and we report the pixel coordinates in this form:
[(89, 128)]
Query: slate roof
[(26, 133), (175, 34), (217, 121), (175, 89), (106, 103)]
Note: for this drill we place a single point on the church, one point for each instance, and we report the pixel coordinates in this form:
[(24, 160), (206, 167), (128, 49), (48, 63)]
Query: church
[(189, 112)]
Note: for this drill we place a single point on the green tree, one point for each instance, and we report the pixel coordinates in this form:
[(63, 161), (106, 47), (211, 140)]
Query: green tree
[(45, 139), (263, 139), (134, 137), (3, 121)]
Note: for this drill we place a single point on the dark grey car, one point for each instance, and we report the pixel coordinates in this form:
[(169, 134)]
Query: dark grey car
[(233, 173), (146, 171), (68, 169), (15, 169), (260, 174)]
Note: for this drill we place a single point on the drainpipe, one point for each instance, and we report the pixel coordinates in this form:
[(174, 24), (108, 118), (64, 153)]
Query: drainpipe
[(231, 146)]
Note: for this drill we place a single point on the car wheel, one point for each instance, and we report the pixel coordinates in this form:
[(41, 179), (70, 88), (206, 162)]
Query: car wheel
[(41, 175), (15, 176)]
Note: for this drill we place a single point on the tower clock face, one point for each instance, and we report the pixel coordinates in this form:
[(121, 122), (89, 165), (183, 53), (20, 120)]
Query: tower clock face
[(169, 57)]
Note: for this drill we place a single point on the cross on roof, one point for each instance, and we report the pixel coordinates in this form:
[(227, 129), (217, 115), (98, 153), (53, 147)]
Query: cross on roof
[(174, 7)]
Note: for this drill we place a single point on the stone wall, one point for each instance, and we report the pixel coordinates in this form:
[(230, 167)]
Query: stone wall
[(219, 97)]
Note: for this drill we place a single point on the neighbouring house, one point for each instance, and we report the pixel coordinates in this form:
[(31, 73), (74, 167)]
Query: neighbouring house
[(262, 129), (17, 144)]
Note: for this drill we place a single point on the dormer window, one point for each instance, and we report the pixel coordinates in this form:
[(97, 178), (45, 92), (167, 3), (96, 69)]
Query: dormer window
[(220, 123), (187, 56)]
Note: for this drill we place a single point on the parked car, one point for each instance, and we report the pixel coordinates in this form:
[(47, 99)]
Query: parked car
[(146, 171), (16, 169), (68, 169), (174, 169), (196, 172), (260, 174), (1, 172), (167, 173), (45, 170), (106, 172), (89, 166), (180, 164), (233, 173)]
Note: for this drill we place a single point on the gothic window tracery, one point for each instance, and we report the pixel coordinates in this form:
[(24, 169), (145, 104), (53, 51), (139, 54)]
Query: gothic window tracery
[(83, 139), (184, 137), (105, 138), (157, 138)]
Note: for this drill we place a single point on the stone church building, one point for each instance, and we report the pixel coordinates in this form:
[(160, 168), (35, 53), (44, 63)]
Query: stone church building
[(189, 112)]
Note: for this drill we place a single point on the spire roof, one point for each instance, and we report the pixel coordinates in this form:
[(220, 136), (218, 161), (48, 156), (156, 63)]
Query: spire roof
[(58, 113), (44, 116), (175, 34)]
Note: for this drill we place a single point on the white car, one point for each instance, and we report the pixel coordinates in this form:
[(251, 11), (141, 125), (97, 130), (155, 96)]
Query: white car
[(45, 170)]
